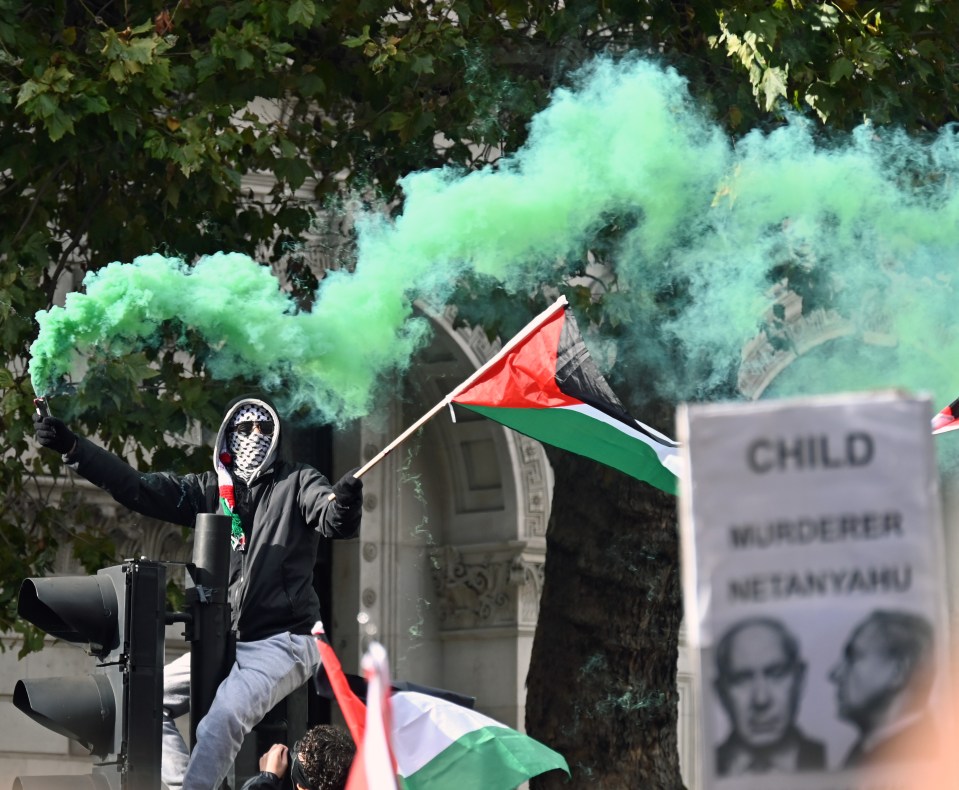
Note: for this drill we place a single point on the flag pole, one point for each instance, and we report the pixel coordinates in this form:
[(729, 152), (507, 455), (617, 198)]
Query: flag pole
[(532, 326)]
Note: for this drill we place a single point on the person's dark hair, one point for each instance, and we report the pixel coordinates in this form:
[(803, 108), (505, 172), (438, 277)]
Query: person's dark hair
[(725, 645), (324, 756)]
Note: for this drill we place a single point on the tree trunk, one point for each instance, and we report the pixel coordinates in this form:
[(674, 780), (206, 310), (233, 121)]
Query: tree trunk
[(602, 677)]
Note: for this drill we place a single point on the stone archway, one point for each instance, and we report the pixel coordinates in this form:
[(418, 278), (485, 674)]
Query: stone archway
[(763, 360)]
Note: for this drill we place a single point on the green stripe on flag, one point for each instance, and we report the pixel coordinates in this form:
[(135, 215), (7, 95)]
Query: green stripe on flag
[(572, 430), (490, 758)]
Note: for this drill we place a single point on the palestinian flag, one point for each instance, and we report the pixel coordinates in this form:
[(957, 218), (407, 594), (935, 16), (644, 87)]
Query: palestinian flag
[(947, 419), (545, 385), (441, 745), (425, 741)]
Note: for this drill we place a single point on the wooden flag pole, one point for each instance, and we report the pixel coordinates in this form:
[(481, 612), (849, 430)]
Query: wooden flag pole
[(519, 337)]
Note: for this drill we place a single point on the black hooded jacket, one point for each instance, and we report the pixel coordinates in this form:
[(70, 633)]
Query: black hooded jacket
[(284, 511)]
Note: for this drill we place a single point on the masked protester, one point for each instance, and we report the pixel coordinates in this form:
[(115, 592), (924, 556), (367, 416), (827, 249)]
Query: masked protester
[(279, 512)]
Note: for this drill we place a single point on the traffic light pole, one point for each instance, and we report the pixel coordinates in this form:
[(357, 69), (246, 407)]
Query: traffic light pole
[(213, 649)]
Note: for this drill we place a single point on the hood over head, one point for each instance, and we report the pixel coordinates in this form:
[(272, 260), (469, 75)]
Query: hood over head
[(248, 454)]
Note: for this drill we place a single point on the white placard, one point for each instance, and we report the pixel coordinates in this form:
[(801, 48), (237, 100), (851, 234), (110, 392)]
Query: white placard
[(814, 588)]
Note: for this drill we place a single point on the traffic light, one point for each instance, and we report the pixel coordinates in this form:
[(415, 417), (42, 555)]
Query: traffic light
[(118, 616)]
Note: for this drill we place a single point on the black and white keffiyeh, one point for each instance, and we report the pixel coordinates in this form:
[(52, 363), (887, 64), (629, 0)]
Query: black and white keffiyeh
[(249, 451)]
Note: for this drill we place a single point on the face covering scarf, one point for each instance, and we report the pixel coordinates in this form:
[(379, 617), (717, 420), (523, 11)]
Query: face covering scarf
[(245, 451), (250, 450)]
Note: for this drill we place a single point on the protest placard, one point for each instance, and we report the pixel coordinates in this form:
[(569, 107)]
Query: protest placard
[(814, 589)]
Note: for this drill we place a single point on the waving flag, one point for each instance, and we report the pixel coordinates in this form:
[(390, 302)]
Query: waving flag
[(351, 706), (428, 741), (545, 384), (441, 745), (374, 766), (947, 419)]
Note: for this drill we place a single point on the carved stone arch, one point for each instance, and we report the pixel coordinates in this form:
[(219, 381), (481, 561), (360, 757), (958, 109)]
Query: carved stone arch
[(764, 360)]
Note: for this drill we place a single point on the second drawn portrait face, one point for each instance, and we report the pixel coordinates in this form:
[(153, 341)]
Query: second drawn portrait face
[(883, 682)]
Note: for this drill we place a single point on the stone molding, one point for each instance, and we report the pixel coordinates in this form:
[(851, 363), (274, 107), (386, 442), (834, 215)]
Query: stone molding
[(488, 586), (799, 333)]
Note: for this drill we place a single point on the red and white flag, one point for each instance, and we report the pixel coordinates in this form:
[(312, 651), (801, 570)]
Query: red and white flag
[(374, 767), (947, 419), (351, 706)]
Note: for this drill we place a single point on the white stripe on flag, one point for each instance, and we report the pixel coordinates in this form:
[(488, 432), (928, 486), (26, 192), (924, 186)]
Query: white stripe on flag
[(668, 454), (423, 726)]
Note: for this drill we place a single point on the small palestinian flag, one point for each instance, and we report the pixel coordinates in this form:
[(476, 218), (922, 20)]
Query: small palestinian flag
[(418, 741), (947, 419), (545, 385)]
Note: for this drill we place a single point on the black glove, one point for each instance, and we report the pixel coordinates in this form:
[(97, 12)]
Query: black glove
[(52, 433), (349, 490)]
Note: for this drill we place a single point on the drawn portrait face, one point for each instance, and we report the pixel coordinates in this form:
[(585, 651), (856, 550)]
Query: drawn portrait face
[(760, 685), (866, 675)]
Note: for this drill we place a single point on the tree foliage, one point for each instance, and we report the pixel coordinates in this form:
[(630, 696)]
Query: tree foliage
[(127, 126)]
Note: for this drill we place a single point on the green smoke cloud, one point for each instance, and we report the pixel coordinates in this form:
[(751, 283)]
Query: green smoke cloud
[(875, 213), (327, 358)]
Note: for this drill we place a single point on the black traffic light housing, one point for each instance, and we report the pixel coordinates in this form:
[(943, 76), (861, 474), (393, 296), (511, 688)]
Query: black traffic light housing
[(118, 616)]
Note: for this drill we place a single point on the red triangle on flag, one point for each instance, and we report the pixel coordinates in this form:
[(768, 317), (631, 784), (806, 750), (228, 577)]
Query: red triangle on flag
[(947, 419)]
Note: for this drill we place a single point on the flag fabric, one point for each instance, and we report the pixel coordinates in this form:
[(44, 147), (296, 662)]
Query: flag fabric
[(351, 706), (429, 742), (441, 745), (947, 419), (374, 766), (547, 387)]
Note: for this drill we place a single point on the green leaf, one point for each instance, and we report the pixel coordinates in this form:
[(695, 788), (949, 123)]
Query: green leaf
[(218, 18), (117, 72), (840, 69), (244, 59), (123, 122), (422, 64), (359, 40), (141, 50), (294, 171), (765, 28), (773, 86), (94, 105), (301, 12), (29, 90), (312, 84), (59, 124), (173, 193)]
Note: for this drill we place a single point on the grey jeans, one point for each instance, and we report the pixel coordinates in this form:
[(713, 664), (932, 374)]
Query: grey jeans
[(264, 673)]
